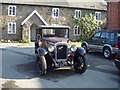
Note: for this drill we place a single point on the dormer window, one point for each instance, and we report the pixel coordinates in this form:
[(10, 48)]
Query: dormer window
[(55, 12), (98, 15), (11, 10), (78, 14)]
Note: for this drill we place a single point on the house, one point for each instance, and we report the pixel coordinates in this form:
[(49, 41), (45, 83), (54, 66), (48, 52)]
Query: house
[(20, 18), (113, 19)]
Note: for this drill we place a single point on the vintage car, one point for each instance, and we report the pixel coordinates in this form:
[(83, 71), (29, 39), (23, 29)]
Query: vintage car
[(53, 51)]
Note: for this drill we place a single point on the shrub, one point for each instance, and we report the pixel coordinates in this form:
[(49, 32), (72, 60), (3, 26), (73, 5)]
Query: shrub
[(87, 24)]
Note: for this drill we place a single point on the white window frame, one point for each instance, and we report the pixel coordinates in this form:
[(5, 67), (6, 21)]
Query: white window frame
[(11, 10), (98, 15), (54, 12), (78, 31), (10, 28), (78, 14)]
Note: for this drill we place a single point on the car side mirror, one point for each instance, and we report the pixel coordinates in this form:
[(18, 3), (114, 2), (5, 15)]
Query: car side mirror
[(91, 38)]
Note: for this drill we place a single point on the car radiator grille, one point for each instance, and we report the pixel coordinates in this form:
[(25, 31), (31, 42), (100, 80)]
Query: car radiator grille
[(61, 52)]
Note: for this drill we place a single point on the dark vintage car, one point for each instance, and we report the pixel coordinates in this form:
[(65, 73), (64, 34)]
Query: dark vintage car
[(52, 50), (117, 56)]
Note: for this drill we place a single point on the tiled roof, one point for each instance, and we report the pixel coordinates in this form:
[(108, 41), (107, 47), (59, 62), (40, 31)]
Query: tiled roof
[(88, 4)]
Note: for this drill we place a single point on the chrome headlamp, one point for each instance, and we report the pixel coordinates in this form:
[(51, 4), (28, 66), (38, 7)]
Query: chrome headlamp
[(73, 48), (51, 48)]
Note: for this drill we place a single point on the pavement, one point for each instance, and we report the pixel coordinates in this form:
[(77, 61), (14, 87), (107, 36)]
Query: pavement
[(25, 49), (19, 48)]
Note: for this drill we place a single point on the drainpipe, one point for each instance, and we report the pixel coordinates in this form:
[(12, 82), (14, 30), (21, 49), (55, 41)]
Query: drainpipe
[(29, 33)]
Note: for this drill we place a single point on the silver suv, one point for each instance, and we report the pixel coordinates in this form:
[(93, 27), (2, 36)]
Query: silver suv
[(103, 41)]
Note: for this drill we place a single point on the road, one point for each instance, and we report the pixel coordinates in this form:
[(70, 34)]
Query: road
[(20, 71)]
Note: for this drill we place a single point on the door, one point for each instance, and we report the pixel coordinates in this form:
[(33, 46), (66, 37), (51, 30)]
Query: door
[(33, 33), (103, 40), (94, 41)]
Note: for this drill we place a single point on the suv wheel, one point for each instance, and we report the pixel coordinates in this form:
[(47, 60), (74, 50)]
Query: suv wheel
[(107, 53), (85, 47)]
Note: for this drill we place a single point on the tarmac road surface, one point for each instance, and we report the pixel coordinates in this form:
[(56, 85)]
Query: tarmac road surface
[(19, 71)]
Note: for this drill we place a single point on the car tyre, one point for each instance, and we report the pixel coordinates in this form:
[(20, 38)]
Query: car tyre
[(85, 47), (42, 65), (80, 64), (107, 53)]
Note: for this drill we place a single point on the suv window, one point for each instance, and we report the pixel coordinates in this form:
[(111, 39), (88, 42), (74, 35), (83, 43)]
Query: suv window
[(104, 35), (112, 36), (97, 35)]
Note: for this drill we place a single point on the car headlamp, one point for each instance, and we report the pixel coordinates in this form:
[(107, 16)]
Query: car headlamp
[(73, 48), (51, 48)]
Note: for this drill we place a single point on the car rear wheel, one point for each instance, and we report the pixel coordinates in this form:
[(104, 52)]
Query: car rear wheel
[(107, 53), (80, 64), (42, 65), (85, 47)]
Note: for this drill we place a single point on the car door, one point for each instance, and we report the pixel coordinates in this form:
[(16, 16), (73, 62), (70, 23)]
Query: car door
[(103, 40), (94, 41)]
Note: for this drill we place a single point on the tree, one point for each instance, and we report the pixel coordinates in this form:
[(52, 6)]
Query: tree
[(87, 24)]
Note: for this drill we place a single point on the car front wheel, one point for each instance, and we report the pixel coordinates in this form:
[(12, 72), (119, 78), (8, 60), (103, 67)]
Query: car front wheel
[(80, 64), (42, 65), (107, 53)]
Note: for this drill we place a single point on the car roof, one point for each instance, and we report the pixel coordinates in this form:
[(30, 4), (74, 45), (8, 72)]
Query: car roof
[(116, 31), (53, 27)]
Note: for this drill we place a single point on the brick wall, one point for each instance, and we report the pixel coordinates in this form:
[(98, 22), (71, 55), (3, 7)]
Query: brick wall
[(119, 16), (113, 15)]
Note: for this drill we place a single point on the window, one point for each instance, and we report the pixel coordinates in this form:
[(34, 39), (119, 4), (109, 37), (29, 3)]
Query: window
[(11, 10), (12, 28), (55, 12), (76, 30), (97, 35), (112, 36), (104, 35), (78, 14), (98, 15)]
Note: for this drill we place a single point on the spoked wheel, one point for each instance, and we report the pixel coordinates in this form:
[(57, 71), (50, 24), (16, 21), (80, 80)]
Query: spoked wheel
[(80, 64), (42, 65)]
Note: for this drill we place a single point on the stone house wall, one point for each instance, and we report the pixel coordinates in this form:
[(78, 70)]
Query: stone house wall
[(22, 11)]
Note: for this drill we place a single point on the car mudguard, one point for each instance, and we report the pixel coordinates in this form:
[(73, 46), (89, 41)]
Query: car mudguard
[(81, 51), (41, 51)]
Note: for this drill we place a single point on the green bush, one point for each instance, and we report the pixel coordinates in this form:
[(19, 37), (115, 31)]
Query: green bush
[(87, 24)]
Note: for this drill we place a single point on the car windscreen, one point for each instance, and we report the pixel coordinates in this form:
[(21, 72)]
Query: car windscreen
[(55, 32)]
